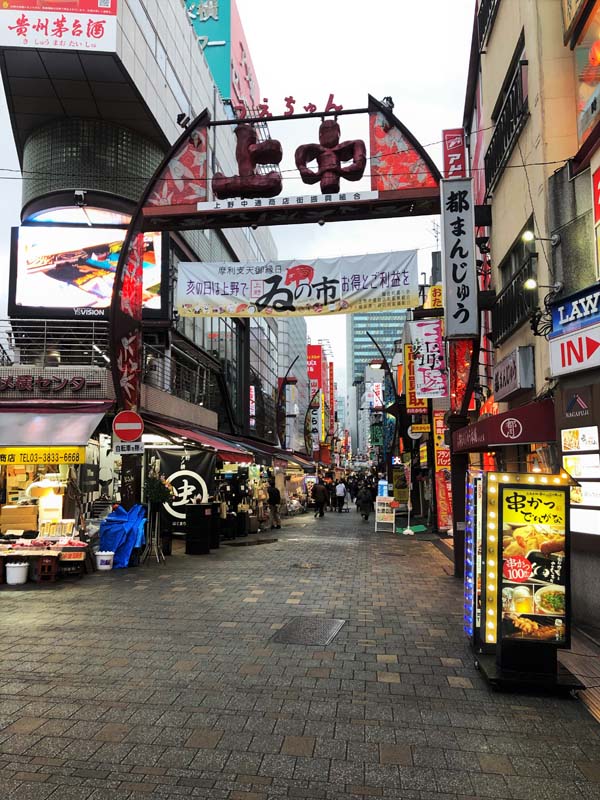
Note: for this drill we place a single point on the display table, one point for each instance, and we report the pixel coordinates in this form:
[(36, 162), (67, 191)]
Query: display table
[(45, 564)]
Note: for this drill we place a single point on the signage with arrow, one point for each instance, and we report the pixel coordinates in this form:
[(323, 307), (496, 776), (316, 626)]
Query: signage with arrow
[(576, 351)]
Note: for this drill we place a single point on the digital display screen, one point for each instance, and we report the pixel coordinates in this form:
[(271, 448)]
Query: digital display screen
[(70, 271)]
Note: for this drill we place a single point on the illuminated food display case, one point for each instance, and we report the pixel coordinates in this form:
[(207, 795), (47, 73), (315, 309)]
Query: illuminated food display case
[(517, 576)]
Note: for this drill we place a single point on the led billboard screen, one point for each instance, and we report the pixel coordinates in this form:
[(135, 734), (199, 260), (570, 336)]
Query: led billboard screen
[(66, 272)]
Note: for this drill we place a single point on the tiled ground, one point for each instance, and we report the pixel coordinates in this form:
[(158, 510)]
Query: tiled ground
[(163, 683)]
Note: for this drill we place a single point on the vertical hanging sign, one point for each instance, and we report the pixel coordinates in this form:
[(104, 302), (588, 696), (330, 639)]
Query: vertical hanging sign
[(414, 404), (454, 153), (460, 271), (431, 375)]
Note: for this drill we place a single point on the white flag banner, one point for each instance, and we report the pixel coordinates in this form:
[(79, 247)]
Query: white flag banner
[(458, 250), (298, 288), (429, 354)]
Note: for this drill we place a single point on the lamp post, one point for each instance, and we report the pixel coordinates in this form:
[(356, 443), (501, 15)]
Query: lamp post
[(394, 409), (281, 404)]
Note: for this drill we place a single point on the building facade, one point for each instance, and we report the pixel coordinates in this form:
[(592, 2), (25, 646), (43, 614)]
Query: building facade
[(93, 109), (386, 328), (291, 362), (532, 121)]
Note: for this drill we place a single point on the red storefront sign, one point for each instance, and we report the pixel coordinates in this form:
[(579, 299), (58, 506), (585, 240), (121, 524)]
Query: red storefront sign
[(455, 163), (525, 425)]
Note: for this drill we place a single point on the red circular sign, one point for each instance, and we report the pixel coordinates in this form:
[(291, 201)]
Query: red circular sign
[(128, 426), (517, 568)]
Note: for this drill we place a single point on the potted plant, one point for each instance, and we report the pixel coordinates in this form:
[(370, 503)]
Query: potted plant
[(157, 490)]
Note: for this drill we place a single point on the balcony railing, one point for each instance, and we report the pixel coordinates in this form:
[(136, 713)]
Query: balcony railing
[(509, 123), (53, 343), (514, 304), (485, 19)]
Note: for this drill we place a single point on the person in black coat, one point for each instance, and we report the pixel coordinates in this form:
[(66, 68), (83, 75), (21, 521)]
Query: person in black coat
[(364, 501)]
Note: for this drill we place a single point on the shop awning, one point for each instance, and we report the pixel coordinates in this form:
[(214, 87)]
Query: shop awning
[(527, 424), (47, 425), (227, 451)]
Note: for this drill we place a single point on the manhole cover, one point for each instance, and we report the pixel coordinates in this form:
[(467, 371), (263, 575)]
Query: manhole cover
[(249, 544), (309, 630), (306, 565)]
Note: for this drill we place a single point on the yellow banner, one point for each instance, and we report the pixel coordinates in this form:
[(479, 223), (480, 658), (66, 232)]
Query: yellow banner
[(533, 506), (434, 297), (421, 427), (42, 455)]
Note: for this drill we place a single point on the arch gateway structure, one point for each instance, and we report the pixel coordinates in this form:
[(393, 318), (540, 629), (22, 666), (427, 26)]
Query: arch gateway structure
[(404, 182)]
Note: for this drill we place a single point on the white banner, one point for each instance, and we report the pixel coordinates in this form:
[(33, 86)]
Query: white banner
[(428, 350), (299, 288), (58, 30), (458, 251)]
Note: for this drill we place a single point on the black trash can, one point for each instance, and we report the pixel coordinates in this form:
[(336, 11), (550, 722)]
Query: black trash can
[(198, 524)]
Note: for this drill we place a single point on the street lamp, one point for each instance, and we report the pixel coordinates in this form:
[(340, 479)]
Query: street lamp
[(394, 409), (541, 320), (529, 236), (280, 407)]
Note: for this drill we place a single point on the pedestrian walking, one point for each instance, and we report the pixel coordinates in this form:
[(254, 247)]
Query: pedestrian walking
[(320, 495), (364, 501), (274, 500), (340, 495)]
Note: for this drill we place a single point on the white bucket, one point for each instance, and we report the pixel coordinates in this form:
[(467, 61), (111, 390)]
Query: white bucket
[(104, 559), (16, 573)]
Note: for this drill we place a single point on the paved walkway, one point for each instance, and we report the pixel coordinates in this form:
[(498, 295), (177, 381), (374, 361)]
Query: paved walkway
[(164, 683)]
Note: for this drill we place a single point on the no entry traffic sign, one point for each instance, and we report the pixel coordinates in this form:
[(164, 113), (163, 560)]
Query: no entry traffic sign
[(128, 426)]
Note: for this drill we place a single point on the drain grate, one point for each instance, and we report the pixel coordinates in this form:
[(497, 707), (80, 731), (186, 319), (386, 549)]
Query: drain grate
[(309, 630), (306, 565), (394, 555), (250, 543)]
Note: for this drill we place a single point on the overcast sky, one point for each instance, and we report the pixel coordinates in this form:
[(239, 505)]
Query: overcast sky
[(416, 52)]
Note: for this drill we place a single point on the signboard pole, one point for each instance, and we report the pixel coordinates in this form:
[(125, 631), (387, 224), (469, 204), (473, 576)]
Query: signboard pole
[(432, 468)]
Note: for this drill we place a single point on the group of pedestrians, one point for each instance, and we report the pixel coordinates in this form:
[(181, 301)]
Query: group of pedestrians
[(335, 495)]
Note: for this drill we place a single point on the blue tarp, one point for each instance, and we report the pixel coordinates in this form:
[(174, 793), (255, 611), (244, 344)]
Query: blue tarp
[(121, 531)]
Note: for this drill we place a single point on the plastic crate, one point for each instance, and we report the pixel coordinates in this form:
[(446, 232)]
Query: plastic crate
[(43, 569), (72, 568)]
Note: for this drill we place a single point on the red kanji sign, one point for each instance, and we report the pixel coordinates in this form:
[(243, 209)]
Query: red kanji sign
[(517, 568)]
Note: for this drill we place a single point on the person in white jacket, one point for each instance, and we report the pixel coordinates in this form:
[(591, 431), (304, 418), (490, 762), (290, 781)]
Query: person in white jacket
[(340, 495)]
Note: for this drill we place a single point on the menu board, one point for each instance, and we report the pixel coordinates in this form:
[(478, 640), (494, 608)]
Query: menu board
[(583, 466), (534, 563), (586, 494), (579, 439)]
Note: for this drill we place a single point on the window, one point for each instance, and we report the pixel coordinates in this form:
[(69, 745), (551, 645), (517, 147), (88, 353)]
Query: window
[(587, 61), (517, 256), (509, 115)]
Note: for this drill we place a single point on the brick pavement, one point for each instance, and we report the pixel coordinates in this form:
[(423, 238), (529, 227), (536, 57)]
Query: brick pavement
[(164, 683)]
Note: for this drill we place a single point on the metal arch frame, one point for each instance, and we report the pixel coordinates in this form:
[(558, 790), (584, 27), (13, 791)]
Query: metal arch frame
[(121, 323), (393, 120)]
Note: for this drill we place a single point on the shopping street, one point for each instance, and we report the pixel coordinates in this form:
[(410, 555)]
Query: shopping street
[(164, 682)]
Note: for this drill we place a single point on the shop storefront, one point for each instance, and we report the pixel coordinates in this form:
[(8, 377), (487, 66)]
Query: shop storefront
[(575, 360), (43, 517)]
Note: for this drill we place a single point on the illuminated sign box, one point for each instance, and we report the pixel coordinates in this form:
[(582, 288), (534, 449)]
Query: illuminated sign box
[(66, 272)]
